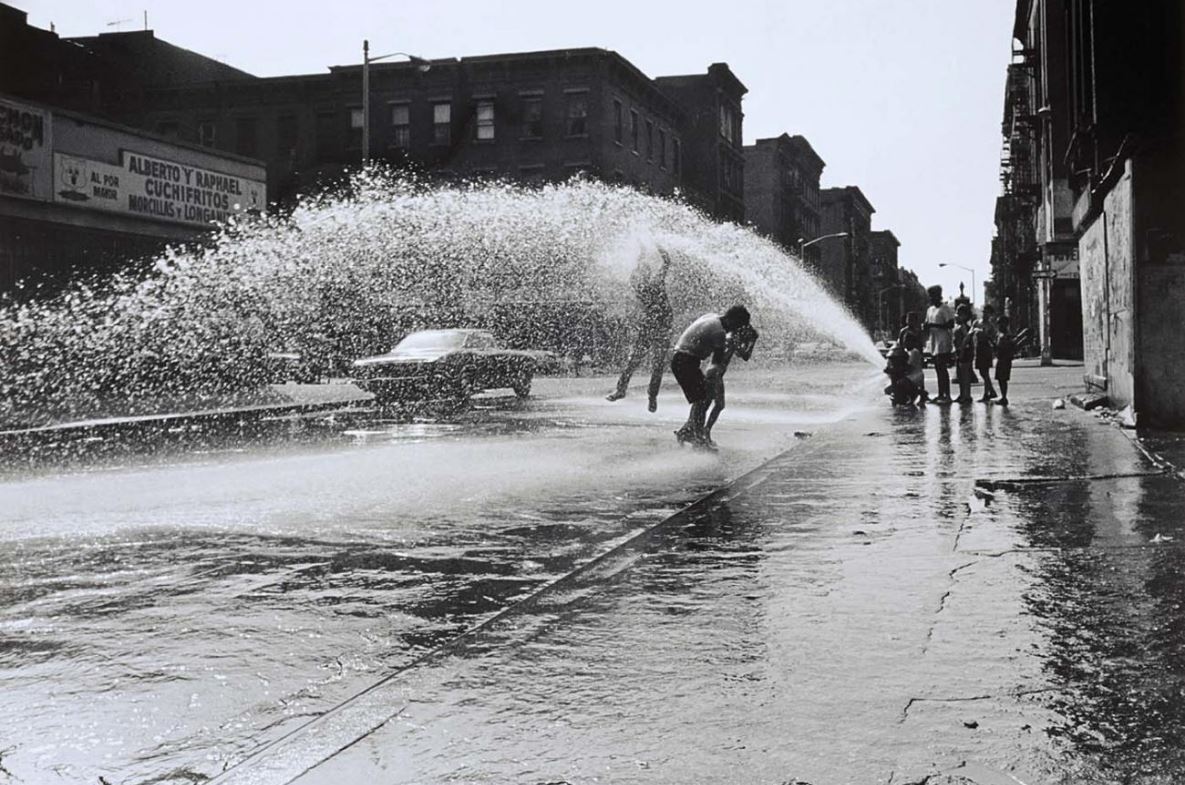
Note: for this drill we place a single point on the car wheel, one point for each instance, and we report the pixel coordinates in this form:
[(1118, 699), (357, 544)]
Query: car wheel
[(522, 384)]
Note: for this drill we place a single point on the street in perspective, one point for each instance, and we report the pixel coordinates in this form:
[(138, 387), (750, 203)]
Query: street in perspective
[(541, 406)]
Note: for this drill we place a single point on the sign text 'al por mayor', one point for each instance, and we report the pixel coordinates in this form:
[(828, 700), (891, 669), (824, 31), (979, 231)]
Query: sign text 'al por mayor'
[(155, 188)]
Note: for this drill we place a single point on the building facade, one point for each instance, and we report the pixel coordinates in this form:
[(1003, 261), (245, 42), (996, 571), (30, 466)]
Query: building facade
[(846, 262), (886, 280), (715, 159), (782, 193), (533, 117), (80, 195), (1094, 191)]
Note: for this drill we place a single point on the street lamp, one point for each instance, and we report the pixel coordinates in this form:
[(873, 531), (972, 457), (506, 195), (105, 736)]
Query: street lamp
[(968, 269), (422, 66), (802, 245)]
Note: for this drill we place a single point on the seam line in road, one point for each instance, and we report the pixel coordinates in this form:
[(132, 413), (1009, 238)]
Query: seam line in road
[(736, 487), (1014, 482)]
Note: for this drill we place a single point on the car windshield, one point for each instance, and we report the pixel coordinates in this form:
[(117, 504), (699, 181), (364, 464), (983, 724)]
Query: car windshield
[(431, 340)]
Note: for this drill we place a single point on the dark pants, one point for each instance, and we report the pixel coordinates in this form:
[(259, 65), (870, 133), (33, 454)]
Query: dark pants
[(654, 341), (985, 372), (690, 376)]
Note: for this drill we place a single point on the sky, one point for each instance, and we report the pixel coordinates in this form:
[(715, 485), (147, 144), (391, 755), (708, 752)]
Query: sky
[(902, 98)]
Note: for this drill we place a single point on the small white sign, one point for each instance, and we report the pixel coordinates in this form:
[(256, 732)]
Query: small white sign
[(25, 146)]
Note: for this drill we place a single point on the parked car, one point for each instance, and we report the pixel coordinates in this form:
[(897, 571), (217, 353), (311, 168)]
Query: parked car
[(453, 364)]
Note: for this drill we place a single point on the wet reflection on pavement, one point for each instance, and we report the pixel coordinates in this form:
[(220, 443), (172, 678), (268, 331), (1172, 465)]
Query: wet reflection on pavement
[(161, 616)]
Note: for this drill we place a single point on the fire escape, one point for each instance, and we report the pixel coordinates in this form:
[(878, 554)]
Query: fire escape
[(1017, 253)]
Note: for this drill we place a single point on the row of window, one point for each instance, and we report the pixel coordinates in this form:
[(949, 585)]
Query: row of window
[(645, 138), (656, 139), (485, 126)]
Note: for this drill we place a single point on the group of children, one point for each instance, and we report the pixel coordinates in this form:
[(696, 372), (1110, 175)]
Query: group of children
[(977, 344)]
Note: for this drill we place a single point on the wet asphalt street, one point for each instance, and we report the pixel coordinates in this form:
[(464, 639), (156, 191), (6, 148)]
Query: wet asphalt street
[(165, 612), (979, 595)]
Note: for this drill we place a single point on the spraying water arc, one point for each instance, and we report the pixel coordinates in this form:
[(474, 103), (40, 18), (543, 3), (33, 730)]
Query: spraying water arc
[(350, 273)]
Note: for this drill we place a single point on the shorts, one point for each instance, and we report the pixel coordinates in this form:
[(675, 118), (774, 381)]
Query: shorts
[(690, 376)]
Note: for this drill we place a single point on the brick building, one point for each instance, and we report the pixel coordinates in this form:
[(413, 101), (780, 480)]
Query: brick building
[(529, 117), (782, 192), (886, 280), (714, 176), (1094, 186), (103, 75), (846, 262)]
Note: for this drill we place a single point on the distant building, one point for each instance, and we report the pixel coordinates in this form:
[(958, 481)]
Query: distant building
[(782, 192), (715, 159), (528, 117), (846, 262), (885, 279), (1094, 183), (102, 75), (534, 117)]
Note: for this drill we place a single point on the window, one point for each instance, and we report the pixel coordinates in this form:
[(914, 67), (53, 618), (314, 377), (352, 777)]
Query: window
[(286, 134), (400, 126), (532, 173), (356, 120), (442, 120), (246, 136), (676, 156), (730, 124), (168, 128), (485, 121), (207, 133), (662, 149), (577, 114), (618, 129), (649, 141), (533, 118), (634, 130)]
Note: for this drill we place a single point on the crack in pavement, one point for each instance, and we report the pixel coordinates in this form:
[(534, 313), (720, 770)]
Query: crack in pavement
[(970, 699)]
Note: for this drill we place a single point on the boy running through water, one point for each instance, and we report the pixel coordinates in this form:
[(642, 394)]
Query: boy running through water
[(705, 338), (653, 336)]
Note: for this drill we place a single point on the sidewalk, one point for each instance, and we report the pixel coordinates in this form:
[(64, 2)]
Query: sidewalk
[(948, 595)]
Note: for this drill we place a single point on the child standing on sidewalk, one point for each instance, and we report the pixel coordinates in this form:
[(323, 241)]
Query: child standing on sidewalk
[(984, 335), (1005, 349), (964, 352)]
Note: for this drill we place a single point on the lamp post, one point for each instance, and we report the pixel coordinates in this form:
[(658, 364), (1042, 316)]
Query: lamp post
[(422, 66), (968, 269)]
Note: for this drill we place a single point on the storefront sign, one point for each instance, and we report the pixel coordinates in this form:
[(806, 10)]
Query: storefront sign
[(155, 188), (24, 151)]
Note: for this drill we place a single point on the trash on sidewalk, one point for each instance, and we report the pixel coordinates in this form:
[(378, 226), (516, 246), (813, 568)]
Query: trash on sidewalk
[(1059, 404), (1126, 417), (1088, 401)]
